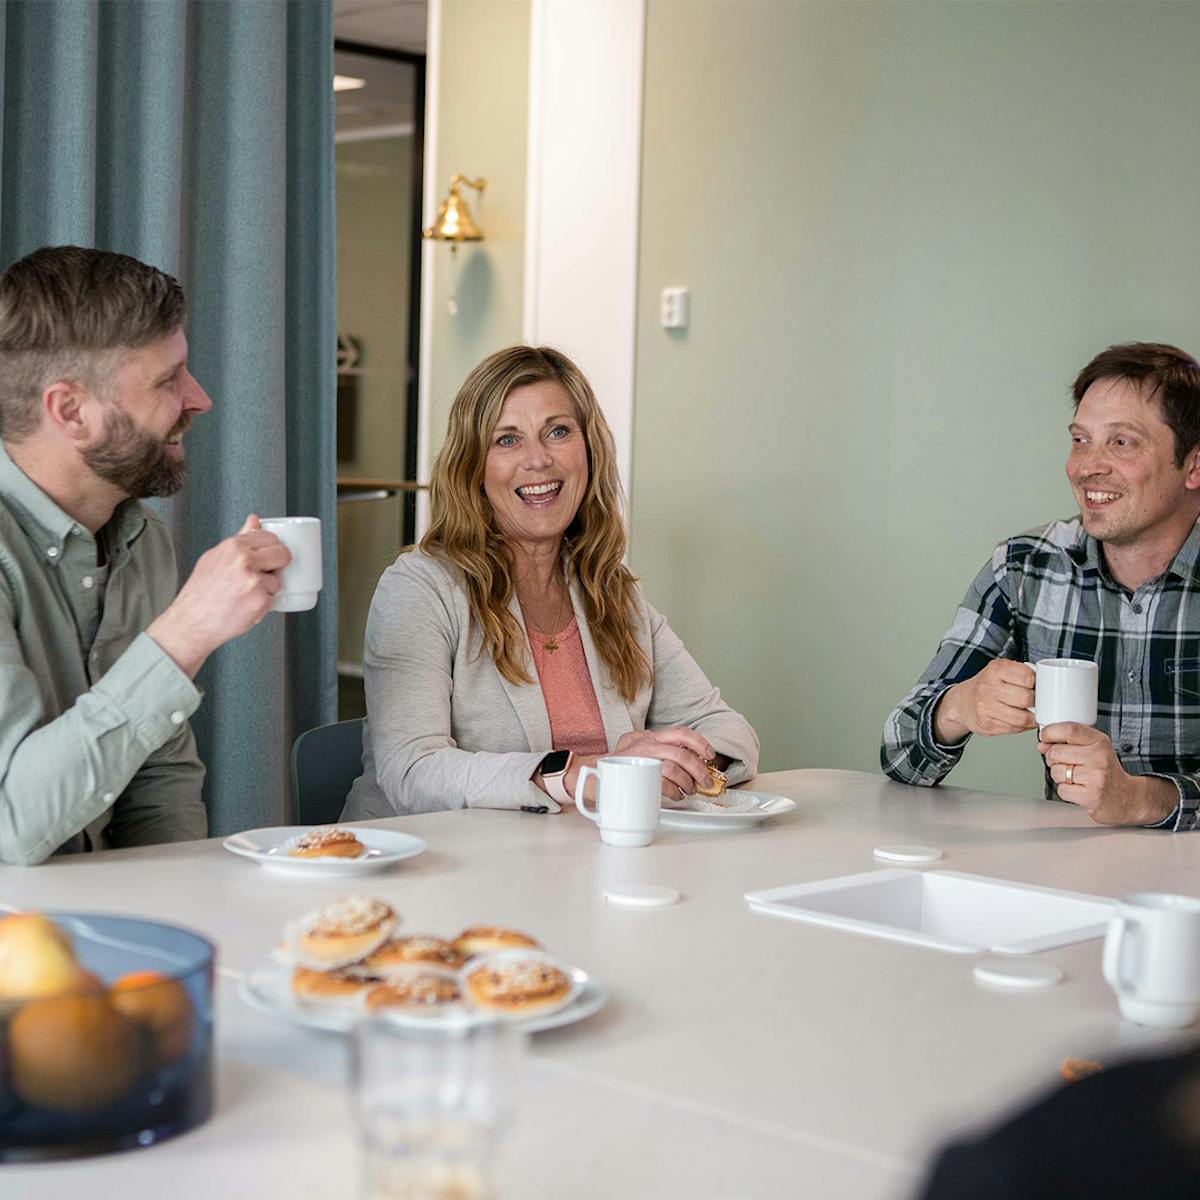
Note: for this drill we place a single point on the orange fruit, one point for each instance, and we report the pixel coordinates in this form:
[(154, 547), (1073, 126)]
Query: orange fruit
[(72, 1052), (162, 1007), (87, 983)]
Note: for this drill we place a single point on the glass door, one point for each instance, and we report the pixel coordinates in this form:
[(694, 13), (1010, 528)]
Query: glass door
[(380, 121)]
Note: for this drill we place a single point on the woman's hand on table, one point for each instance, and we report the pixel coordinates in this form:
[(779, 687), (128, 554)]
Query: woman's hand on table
[(682, 752)]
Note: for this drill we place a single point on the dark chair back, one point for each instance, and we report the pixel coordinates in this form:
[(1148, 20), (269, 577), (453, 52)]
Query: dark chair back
[(325, 762)]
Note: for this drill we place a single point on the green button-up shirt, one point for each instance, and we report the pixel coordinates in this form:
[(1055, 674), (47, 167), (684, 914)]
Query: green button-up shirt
[(95, 747)]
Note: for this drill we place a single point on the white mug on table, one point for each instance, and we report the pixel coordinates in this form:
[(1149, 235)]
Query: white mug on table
[(300, 580), (1067, 690), (1152, 959), (627, 799)]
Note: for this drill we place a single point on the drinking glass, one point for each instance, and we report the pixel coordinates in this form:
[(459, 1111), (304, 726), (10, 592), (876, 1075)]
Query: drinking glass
[(429, 1102)]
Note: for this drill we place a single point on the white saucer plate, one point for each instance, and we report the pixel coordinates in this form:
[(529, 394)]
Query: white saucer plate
[(766, 806), (268, 989), (385, 848)]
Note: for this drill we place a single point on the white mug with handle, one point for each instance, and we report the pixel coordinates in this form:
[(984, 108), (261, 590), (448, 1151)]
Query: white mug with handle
[(1152, 959), (300, 581), (628, 791), (1067, 690)]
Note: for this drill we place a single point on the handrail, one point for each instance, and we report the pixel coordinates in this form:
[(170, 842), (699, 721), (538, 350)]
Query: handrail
[(347, 483)]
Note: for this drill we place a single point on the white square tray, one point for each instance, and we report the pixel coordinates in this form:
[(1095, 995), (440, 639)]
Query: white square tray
[(945, 910)]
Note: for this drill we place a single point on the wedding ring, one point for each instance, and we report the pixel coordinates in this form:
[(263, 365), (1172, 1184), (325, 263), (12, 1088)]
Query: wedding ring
[(1070, 773)]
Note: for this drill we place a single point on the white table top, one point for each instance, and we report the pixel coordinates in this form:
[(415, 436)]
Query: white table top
[(739, 1053)]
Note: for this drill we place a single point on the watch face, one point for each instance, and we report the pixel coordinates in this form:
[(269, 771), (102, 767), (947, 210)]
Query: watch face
[(555, 763)]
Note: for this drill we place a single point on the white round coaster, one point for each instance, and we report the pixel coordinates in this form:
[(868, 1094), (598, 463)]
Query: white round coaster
[(1021, 973), (909, 854), (642, 896)]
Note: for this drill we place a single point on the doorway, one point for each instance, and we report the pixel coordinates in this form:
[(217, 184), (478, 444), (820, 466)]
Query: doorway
[(380, 118)]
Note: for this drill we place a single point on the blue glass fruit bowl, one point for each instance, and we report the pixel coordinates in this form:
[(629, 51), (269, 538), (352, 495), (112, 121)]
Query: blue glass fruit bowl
[(106, 1034)]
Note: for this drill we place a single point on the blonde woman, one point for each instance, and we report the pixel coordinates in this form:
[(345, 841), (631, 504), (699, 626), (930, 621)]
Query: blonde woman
[(514, 646)]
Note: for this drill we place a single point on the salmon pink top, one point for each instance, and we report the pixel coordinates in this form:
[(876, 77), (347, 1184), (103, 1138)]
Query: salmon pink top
[(575, 721)]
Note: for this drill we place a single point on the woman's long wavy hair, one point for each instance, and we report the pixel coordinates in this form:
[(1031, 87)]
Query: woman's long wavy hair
[(463, 528)]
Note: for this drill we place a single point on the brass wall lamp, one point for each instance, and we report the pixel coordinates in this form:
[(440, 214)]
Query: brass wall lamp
[(454, 223)]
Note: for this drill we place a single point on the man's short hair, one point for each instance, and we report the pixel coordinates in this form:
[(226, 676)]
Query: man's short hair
[(63, 309), (1166, 373)]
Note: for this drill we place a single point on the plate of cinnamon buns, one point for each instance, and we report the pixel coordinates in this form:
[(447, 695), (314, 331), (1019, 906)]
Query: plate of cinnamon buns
[(349, 959), (324, 850)]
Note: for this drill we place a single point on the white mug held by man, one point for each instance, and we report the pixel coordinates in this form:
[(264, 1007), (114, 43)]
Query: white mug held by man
[(300, 580)]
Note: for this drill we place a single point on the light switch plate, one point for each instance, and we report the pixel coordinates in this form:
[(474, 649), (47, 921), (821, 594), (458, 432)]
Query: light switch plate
[(673, 308)]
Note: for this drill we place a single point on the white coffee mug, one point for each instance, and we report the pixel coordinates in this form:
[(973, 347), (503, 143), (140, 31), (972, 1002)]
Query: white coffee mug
[(1152, 959), (628, 791), (300, 580), (1066, 691)]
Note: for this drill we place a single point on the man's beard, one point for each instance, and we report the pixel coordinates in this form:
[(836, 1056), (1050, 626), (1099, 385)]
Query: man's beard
[(136, 461)]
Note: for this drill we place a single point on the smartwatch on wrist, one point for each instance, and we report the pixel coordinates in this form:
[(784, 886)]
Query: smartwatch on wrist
[(553, 770)]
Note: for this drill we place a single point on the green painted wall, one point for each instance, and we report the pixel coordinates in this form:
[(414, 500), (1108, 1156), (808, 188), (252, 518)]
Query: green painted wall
[(905, 227), (482, 130)]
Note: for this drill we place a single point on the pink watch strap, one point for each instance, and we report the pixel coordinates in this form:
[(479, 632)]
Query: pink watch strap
[(556, 785)]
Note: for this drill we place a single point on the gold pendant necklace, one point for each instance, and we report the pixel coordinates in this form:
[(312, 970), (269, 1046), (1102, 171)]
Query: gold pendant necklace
[(549, 642)]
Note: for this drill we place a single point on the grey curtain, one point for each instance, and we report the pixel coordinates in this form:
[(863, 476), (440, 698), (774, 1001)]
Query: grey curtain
[(197, 135)]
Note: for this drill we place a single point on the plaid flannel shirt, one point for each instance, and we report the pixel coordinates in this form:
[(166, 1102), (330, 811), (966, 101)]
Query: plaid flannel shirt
[(1048, 594)]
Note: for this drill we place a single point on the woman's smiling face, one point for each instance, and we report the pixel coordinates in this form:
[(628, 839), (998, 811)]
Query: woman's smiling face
[(536, 472)]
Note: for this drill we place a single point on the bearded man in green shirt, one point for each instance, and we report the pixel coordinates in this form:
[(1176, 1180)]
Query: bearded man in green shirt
[(97, 651)]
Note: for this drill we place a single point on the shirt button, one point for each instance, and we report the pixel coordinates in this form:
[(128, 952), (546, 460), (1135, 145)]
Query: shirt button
[(177, 717), (1137, 608), (1131, 675), (88, 581), (51, 551), (1126, 747), (108, 797)]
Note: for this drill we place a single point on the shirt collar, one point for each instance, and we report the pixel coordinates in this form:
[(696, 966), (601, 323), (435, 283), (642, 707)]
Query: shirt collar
[(46, 525), (1185, 564)]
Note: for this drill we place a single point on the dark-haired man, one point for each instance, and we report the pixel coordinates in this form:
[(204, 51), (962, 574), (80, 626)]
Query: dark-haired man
[(97, 653), (1119, 584)]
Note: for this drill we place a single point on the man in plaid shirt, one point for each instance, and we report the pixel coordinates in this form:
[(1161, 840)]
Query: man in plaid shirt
[(1119, 584)]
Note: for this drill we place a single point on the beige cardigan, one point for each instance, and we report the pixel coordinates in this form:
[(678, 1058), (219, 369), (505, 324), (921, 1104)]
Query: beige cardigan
[(446, 730)]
